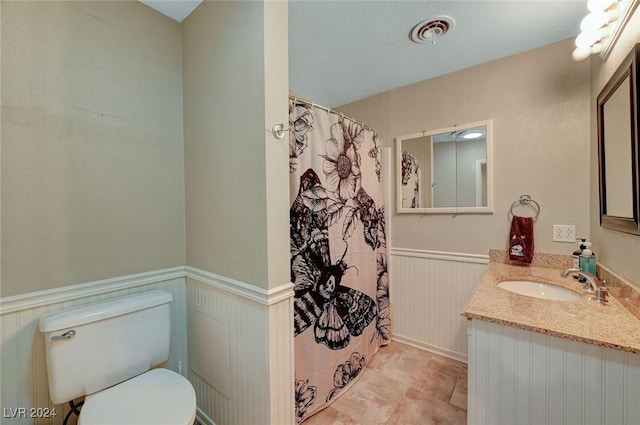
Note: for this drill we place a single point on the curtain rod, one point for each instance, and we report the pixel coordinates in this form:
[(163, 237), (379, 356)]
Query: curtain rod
[(331, 111)]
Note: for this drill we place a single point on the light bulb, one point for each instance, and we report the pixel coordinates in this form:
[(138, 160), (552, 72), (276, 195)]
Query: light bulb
[(587, 39), (594, 21), (580, 53), (594, 5), (599, 19)]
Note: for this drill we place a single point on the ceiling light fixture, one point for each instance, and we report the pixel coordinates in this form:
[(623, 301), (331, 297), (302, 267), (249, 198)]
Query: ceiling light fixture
[(472, 135), (595, 28)]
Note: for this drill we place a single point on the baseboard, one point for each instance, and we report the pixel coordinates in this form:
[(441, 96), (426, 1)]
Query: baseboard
[(431, 348)]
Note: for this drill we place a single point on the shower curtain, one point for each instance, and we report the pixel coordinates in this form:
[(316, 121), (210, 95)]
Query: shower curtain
[(338, 252), (411, 177)]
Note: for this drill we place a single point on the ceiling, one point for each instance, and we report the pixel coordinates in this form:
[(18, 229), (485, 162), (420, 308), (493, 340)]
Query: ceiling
[(342, 51), (175, 9)]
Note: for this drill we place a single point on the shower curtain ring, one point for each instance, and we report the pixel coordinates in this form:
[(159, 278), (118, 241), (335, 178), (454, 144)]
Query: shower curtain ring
[(278, 131)]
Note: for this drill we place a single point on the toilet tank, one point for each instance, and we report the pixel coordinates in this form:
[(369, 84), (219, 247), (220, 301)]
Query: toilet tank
[(96, 346)]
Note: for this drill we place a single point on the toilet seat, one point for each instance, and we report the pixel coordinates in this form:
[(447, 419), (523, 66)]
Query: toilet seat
[(159, 396)]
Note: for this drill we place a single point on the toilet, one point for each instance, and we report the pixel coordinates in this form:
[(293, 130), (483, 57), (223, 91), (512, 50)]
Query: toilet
[(109, 353)]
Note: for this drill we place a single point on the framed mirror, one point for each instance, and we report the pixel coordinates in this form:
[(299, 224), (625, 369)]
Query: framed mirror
[(618, 161), (448, 170)]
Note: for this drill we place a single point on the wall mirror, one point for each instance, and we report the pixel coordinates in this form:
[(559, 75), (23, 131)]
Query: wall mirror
[(448, 170), (619, 164)]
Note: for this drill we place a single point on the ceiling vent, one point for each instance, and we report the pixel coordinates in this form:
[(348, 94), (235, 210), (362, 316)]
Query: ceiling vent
[(429, 30)]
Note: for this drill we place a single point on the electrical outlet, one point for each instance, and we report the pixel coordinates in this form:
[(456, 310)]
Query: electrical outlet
[(564, 233)]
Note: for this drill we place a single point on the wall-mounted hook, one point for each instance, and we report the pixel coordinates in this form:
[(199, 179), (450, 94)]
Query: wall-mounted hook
[(278, 131)]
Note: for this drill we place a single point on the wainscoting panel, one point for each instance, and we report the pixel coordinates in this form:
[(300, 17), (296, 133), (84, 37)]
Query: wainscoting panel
[(259, 342), (521, 377), (209, 348), (428, 291), (281, 359), (23, 369)]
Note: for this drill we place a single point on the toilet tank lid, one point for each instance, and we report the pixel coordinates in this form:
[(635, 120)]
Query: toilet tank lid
[(104, 310)]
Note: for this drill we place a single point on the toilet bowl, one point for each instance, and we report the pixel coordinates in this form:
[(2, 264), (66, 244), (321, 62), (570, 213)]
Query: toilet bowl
[(111, 353)]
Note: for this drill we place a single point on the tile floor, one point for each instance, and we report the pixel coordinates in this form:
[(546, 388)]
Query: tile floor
[(402, 385)]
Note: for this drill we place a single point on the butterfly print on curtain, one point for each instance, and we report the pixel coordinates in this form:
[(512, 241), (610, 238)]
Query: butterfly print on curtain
[(335, 311)]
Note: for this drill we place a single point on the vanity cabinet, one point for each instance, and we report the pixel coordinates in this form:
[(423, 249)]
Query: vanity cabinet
[(517, 376), (545, 361)]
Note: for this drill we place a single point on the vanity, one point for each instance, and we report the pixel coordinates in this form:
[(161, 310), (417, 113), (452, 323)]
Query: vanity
[(550, 361)]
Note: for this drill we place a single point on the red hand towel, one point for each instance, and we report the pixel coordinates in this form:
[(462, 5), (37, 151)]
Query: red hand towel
[(521, 239)]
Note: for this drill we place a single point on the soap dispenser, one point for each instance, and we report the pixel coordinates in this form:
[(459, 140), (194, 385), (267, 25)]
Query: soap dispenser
[(588, 259), (577, 253)]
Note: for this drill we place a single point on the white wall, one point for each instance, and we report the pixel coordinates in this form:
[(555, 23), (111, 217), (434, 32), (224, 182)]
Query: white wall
[(240, 351), (429, 290)]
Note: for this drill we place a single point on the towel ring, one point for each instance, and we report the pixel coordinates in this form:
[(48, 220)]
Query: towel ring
[(526, 200)]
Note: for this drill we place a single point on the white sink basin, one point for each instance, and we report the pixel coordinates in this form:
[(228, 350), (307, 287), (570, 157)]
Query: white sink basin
[(540, 290)]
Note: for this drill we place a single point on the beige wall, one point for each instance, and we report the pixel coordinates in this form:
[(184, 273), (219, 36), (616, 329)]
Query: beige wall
[(539, 103), (93, 165), (92, 154), (619, 251), (235, 87)]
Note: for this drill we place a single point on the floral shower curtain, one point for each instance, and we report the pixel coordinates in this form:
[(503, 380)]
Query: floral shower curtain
[(411, 178), (338, 253)]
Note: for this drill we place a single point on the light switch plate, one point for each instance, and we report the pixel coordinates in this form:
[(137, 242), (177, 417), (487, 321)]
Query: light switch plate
[(564, 233)]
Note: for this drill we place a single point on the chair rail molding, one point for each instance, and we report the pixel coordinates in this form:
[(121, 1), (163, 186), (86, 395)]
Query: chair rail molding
[(82, 290), (242, 289)]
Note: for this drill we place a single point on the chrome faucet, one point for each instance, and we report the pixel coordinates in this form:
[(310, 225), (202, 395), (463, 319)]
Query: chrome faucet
[(599, 287)]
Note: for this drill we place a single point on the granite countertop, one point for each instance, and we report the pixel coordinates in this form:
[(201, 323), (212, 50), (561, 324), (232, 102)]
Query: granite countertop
[(585, 320)]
